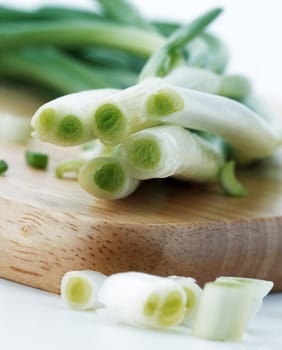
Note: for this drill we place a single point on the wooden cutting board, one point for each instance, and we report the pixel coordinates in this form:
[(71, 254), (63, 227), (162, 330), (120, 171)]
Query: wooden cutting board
[(50, 226)]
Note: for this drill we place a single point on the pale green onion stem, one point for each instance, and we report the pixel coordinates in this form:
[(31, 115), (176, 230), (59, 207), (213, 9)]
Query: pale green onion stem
[(65, 121), (79, 289), (250, 136), (107, 178), (223, 312), (141, 299), (236, 87), (119, 115), (170, 150), (68, 167)]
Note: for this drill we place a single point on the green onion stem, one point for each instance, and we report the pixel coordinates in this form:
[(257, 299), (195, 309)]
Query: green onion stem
[(3, 166), (158, 64), (74, 33), (46, 12), (122, 11), (36, 160), (58, 71), (107, 178)]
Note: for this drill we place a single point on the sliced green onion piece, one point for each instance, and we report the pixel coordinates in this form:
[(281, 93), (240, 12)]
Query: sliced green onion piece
[(193, 293), (223, 312), (79, 288), (36, 160), (107, 178), (228, 181), (141, 299), (68, 166), (259, 287), (3, 166), (15, 128)]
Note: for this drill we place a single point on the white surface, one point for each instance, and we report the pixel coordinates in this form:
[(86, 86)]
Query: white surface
[(35, 320), (251, 28)]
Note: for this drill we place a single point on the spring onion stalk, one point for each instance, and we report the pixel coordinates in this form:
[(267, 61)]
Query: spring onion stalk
[(107, 178), (236, 87), (205, 51), (76, 33), (105, 56), (119, 115), (260, 289), (61, 72), (46, 12), (65, 120), (251, 137), (141, 299), (36, 160), (79, 289), (228, 181), (193, 295), (14, 128), (3, 166), (170, 150), (223, 312), (160, 63), (124, 12)]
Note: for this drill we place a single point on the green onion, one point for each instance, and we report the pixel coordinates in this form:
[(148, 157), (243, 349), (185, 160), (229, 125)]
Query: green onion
[(79, 289), (236, 87), (223, 312), (36, 160), (161, 61), (76, 33), (251, 137), (229, 183), (107, 178), (65, 121), (61, 72), (141, 299), (124, 12), (3, 166), (170, 150)]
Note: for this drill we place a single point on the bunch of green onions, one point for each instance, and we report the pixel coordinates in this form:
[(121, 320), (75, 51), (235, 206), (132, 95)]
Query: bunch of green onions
[(184, 118)]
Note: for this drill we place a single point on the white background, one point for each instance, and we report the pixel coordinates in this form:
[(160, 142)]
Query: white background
[(251, 28), (33, 320)]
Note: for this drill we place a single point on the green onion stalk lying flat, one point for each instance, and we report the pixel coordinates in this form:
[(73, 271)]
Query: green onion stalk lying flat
[(170, 150)]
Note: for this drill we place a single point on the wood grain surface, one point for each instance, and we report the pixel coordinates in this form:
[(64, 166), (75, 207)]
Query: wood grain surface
[(50, 226)]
